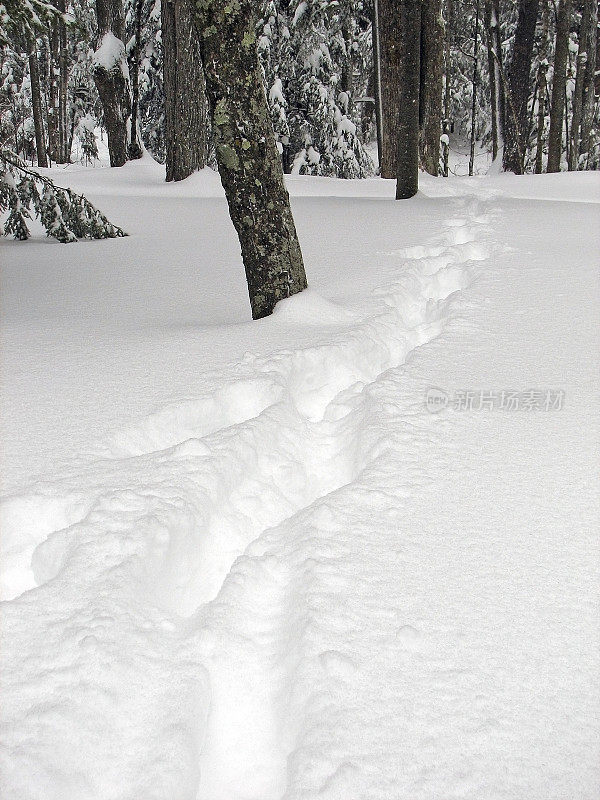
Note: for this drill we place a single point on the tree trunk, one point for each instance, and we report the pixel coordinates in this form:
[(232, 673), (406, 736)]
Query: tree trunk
[(53, 101), (135, 148), (589, 83), (494, 50), (542, 88), (111, 77), (432, 73), (36, 102), (377, 80), (409, 73), (63, 75), (185, 95), (475, 85), (447, 95), (557, 107), (247, 155), (518, 87), (390, 14)]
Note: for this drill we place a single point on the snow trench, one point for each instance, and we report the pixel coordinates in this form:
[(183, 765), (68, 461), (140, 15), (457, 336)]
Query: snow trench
[(171, 628)]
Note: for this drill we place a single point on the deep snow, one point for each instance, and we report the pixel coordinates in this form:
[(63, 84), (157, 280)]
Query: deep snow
[(243, 561)]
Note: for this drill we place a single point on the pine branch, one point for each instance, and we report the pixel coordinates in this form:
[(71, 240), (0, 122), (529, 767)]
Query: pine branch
[(65, 215)]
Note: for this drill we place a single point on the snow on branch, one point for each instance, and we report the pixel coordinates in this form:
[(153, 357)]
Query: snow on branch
[(65, 215)]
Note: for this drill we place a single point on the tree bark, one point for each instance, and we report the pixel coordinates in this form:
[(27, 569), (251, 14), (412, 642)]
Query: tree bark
[(409, 57), (475, 85), (390, 14), (518, 87), (247, 155), (494, 50), (111, 77), (589, 82), (377, 80), (135, 148), (557, 107), (185, 96), (447, 75), (63, 75), (432, 72), (36, 102)]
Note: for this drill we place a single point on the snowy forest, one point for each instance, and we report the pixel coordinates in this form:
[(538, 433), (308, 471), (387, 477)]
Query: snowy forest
[(299, 400), (130, 70)]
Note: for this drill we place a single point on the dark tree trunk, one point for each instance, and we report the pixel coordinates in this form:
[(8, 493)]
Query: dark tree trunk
[(409, 56), (542, 90), (390, 13), (111, 77), (475, 85), (589, 81), (135, 147), (432, 72), (63, 74), (185, 96), (447, 77), (494, 50), (247, 156), (557, 107), (36, 102), (518, 87)]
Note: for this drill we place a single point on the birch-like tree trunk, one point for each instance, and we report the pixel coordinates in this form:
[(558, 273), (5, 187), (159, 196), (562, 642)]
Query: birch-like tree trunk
[(557, 105), (494, 50), (111, 76), (247, 156), (186, 113), (517, 88)]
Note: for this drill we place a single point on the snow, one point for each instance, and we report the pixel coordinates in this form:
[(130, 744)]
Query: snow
[(110, 52), (243, 560)]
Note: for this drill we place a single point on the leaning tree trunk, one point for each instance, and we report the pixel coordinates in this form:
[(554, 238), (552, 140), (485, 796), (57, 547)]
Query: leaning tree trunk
[(559, 81), (432, 72), (111, 76), (185, 96), (36, 103), (518, 87), (247, 156), (407, 161), (494, 50), (390, 65)]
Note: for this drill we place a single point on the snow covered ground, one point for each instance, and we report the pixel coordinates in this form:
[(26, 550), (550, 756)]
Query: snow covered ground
[(349, 551)]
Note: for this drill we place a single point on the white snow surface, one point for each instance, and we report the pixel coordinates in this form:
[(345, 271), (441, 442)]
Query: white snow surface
[(242, 560)]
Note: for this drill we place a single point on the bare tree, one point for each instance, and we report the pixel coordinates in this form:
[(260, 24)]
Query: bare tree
[(247, 156)]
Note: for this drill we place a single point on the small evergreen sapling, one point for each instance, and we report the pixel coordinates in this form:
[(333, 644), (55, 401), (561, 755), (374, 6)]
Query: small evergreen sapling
[(65, 215)]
